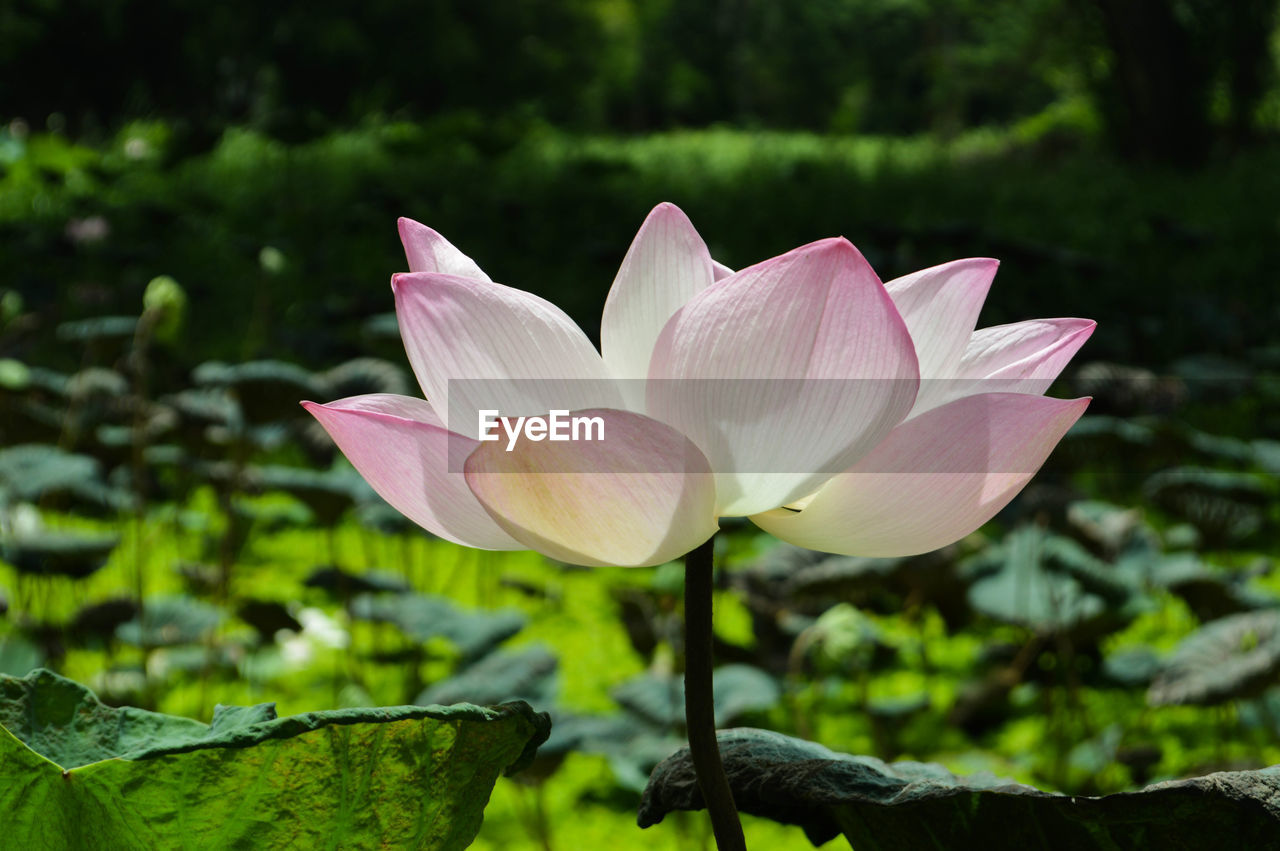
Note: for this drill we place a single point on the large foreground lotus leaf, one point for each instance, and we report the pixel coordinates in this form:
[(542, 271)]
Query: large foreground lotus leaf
[(880, 806), (77, 774)]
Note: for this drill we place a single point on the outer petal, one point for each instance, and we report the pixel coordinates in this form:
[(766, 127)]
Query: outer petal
[(403, 451), (940, 306), (934, 480), (470, 343), (1037, 349), (643, 495), (785, 373), (1023, 357), (719, 270), (428, 251), (667, 265)]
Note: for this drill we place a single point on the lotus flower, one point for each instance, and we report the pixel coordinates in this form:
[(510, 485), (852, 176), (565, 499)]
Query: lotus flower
[(838, 412)]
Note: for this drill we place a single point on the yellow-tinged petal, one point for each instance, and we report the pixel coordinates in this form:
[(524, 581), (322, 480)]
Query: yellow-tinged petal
[(641, 495)]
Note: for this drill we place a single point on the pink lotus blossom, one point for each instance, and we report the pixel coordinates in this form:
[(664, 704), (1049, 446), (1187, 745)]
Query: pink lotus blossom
[(837, 412)]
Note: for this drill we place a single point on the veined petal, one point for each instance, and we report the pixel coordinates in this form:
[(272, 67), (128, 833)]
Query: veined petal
[(404, 452), (1022, 357), (667, 265), (642, 495), (1036, 349), (935, 479), (940, 306), (481, 346), (428, 251), (785, 373)]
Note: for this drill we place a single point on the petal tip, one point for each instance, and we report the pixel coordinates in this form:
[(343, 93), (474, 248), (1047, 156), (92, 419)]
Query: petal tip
[(1081, 329), (670, 215)]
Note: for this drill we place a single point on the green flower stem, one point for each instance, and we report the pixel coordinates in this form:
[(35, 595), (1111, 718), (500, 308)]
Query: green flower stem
[(699, 708)]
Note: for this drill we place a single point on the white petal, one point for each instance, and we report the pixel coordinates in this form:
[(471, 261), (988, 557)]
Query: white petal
[(1023, 357), (666, 266), (642, 495), (784, 373), (482, 346), (935, 479), (940, 306)]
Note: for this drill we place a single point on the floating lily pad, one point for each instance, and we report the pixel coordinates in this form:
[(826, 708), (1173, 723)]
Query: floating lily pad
[(424, 617), (328, 494), (168, 621), (98, 328), (32, 472), (267, 390), (809, 581), (204, 407), (1101, 438), (343, 584), (1050, 584), (77, 774), (882, 806), (96, 382), (59, 554), (268, 617), (1226, 506), (1234, 657), (1127, 390), (1131, 668), (99, 621), (1109, 529), (526, 674), (364, 375), (1211, 594), (738, 690)]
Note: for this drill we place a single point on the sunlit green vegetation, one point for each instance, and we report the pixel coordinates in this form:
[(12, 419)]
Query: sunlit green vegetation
[(197, 217)]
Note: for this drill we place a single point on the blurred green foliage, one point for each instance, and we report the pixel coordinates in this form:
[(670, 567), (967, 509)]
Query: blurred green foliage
[(276, 241), (1113, 153), (296, 69)]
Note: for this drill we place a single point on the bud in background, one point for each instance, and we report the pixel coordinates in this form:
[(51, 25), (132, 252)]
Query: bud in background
[(164, 305)]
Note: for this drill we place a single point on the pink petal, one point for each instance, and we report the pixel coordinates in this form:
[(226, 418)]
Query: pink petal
[(936, 478), (666, 266), (403, 451), (428, 251), (643, 495), (810, 328), (940, 306), (470, 341), (1037, 350), (1023, 357)]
